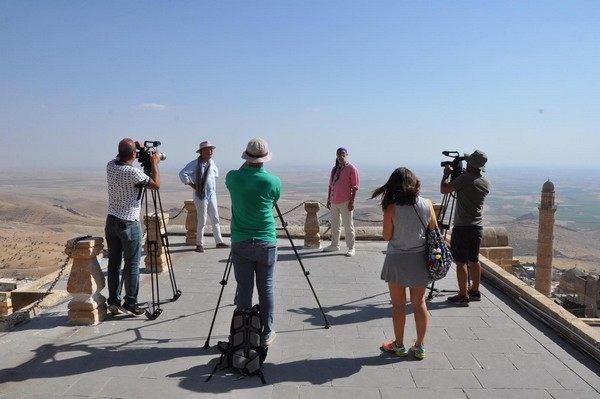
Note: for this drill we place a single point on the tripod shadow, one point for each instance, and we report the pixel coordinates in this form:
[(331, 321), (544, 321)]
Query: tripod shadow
[(292, 256), (179, 244), (53, 361), (85, 356), (309, 371), (181, 250), (351, 312)]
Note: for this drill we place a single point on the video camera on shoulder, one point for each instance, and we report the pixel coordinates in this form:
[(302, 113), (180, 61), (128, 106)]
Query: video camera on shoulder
[(456, 164), (143, 154)]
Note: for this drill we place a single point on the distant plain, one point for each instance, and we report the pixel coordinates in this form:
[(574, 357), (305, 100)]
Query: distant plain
[(39, 212)]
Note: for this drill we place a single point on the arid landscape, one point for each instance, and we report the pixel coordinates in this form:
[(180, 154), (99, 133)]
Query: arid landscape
[(38, 215)]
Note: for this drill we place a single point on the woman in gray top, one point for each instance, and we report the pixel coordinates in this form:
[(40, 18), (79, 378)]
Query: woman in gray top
[(406, 255)]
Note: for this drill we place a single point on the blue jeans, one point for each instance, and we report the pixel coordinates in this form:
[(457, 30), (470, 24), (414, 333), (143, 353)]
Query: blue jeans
[(124, 241), (256, 257)]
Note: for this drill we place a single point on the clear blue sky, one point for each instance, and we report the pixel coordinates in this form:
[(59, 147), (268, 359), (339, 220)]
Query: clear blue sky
[(396, 82)]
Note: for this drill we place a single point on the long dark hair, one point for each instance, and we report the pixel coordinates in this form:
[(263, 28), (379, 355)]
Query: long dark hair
[(402, 188)]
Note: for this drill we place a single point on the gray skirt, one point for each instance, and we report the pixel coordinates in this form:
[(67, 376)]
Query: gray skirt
[(407, 269)]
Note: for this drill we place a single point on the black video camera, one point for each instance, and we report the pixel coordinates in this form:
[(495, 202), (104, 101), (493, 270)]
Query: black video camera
[(456, 163), (143, 154)]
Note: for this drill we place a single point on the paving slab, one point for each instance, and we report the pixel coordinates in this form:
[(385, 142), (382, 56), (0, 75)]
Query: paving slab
[(492, 349)]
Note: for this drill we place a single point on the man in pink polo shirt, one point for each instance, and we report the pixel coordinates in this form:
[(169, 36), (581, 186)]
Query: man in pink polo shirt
[(343, 185)]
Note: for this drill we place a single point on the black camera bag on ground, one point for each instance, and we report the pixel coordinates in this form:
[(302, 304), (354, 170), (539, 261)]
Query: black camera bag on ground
[(243, 352)]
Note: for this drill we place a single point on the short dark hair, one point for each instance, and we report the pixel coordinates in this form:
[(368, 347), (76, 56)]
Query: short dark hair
[(126, 148), (402, 188)]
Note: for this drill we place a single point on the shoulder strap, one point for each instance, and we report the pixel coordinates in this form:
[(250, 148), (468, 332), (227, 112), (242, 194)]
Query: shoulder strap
[(419, 216)]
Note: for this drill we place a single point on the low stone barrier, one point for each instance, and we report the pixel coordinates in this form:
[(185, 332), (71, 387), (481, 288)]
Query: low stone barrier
[(88, 305), (560, 319)]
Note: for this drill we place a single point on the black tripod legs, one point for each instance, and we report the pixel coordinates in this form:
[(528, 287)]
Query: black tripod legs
[(223, 283), (304, 271), (157, 220)]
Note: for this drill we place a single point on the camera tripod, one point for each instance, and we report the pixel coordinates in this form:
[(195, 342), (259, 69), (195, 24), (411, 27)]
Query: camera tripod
[(227, 271), (448, 201), (153, 309)]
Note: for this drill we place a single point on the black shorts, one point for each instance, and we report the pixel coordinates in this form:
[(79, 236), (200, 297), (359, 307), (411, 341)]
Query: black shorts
[(465, 243)]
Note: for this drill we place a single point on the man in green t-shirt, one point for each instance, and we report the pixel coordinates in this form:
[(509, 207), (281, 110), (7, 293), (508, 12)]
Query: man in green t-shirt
[(254, 192), (471, 189)]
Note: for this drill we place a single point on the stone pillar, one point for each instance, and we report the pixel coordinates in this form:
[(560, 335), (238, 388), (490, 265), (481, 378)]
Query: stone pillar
[(156, 257), (6, 286), (5, 304), (545, 249), (190, 222), (88, 306), (494, 246), (592, 287), (312, 238)]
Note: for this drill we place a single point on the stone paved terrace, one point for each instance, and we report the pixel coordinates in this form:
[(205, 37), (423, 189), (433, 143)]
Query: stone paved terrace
[(493, 349)]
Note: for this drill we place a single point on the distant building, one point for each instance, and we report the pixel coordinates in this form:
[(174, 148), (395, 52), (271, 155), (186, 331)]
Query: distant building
[(582, 289)]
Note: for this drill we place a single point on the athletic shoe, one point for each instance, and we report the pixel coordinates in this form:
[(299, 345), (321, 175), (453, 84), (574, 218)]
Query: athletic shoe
[(474, 296), (199, 248), (222, 245), (133, 309), (269, 339), (393, 347), (115, 310), (331, 248), (458, 300), (418, 351), (351, 252)]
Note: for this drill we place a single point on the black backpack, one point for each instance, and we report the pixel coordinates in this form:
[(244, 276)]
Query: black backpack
[(243, 352)]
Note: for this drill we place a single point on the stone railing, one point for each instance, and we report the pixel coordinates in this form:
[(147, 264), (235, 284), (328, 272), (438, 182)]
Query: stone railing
[(494, 246), (88, 305), (156, 257)]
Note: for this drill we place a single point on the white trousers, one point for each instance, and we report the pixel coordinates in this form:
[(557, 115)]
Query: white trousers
[(207, 208), (340, 211)]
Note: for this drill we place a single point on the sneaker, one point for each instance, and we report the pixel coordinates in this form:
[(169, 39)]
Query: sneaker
[(418, 351), (269, 339), (351, 252), (133, 309), (222, 245), (199, 248), (331, 248), (393, 347), (474, 296), (459, 300), (115, 309)]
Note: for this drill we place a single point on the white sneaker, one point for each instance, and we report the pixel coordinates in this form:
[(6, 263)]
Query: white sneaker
[(331, 248), (351, 252)]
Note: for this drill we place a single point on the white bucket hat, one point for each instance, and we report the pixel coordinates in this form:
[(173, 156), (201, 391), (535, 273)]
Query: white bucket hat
[(205, 144), (257, 151)]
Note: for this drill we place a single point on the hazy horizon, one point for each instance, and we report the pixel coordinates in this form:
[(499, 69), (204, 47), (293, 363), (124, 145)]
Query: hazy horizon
[(515, 191)]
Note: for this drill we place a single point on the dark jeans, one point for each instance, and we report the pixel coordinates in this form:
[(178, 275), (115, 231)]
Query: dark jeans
[(124, 241), (255, 257)]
